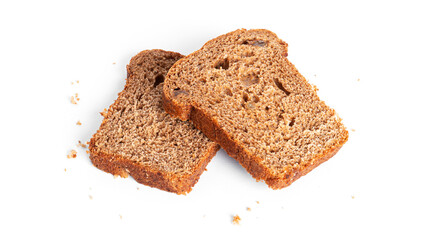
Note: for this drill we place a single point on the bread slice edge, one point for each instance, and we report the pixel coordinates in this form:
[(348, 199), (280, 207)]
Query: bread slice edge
[(119, 166)]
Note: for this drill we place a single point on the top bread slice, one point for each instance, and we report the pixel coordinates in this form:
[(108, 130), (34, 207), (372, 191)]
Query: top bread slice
[(243, 93), (139, 138)]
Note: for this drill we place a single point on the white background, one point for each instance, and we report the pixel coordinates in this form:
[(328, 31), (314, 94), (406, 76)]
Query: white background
[(368, 58)]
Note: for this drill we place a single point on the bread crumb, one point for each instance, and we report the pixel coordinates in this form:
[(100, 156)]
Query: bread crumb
[(73, 101), (87, 151), (353, 130), (65, 169), (77, 97), (257, 202), (81, 144), (358, 79), (248, 209), (78, 123), (120, 217), (114, 62), (137, 188), (73, 154), (352, 197), (315, 87), (236, 219), (77, 81), (90, 197)]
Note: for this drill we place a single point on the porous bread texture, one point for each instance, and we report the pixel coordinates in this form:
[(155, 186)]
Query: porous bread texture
[(139, 138), (243, 93)]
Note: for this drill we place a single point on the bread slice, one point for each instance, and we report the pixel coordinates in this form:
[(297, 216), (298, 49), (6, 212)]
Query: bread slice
[(243, 93), (139, 138)]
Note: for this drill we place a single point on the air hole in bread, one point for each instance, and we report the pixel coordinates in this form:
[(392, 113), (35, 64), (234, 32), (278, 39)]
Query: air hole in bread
[(250, 79), (248, 54), (280, 86), (222, 64), (257, 43), (159, 79), (245, 97), (292, 122), (255, 99), (228, 91), (267, 108), (178, 91)]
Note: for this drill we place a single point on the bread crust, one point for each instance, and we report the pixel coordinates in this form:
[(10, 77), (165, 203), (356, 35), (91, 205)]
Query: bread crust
[(211, 128), (119, 166), (144, 174)]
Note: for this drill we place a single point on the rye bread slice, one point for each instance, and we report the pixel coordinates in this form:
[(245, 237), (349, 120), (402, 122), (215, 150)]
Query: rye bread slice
[(243, 93), (137, 137)]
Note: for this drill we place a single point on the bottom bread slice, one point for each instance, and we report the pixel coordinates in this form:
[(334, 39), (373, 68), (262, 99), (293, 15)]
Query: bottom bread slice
[(138, 138)]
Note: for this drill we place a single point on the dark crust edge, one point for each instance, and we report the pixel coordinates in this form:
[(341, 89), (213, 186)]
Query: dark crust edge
[(120, 166), (251, 163), (117, 165)]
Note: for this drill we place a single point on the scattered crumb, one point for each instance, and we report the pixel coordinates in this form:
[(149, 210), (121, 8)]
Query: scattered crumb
[(114, 62), (73, 101), (73, 154), (77, 81), (121, 217), (77, 97), (315, 88), (137, 188), (353, 130), (352, 197), (248, 209), (236, 219), (87, 142), (87, 151), (358, 79), (257, 202), (90, 197), (65, 169), (81, 144), (78, 123)]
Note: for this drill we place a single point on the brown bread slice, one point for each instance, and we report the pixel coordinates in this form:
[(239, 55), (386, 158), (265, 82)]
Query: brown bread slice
[(243, 93), (139, 138)]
